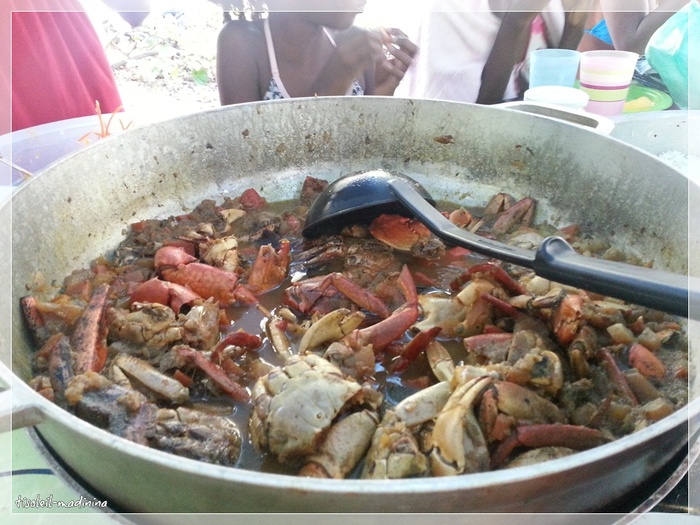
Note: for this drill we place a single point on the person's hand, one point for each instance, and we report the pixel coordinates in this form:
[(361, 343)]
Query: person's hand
[(399, 55), (358, 49)]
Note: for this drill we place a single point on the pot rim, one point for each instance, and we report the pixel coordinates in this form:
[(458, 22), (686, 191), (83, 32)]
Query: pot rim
[(689, 414)]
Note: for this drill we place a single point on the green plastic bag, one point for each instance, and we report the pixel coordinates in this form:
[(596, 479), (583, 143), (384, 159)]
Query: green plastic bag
[(667, 52)]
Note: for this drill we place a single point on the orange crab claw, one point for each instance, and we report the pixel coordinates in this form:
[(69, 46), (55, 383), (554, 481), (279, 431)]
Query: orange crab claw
[(241, 339), (163, 292), (383, 333), (270, 267), (178, 267), (494, 273)]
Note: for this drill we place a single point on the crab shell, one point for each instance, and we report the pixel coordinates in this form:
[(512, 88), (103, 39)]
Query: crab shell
[(295, 405)]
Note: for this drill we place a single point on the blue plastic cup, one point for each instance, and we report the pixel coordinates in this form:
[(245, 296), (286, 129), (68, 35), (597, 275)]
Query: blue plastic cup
[(554, 67)]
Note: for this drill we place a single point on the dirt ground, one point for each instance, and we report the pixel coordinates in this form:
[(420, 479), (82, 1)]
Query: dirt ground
[(166, 66)]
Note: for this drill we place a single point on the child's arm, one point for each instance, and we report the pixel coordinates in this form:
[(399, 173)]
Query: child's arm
[(237, 72), (630, 23), (508, 49)]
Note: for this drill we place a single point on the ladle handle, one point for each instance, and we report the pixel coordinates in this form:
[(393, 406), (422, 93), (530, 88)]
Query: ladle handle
[(556, 260)]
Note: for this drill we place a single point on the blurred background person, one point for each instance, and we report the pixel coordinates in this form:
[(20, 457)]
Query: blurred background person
[(627, 25), (477, 51), (58, 66), (305, 48)]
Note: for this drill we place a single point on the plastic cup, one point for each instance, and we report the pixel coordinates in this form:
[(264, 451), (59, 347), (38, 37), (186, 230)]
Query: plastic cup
[(606, 77), (553, 67)]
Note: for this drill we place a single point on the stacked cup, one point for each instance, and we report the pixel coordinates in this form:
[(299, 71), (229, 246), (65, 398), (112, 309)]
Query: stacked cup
[(553, 67), (606, 76)]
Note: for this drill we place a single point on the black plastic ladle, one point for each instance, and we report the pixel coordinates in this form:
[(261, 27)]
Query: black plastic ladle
[(364, 196)]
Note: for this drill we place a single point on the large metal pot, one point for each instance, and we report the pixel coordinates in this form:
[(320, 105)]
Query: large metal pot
[(79, 207)]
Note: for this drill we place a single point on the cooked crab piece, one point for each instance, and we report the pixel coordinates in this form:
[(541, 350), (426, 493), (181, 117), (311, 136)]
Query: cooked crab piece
[(270, 267), (535, 436), (343, 448), (222, 253), (153, 380), (457, 443), (295, 405), (197, 435), (89, 338), (458, 316), (122, 411), (365, 261), (331, 327), (150, 327), (407, 235), (201, 325), (538, 455), (394, 452)]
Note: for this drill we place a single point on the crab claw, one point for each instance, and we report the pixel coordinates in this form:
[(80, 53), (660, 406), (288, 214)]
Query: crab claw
[(383, 333), (270, 267), (162, 292), (177, 266), (457, 443), (331, 327)]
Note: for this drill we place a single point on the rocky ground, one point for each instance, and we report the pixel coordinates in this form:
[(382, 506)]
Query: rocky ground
[(167, 65)]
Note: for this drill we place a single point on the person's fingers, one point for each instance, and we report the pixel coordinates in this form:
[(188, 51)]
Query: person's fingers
[(400, 55), (394, 68), (407, 46)]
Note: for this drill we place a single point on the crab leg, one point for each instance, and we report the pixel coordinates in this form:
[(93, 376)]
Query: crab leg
[(536, 436), (616, 376), (276, 327), (383, 333), (356, 294), (216, 373), (89, 340), (414, 347), (522, 211), (60, 368), (152, 378)]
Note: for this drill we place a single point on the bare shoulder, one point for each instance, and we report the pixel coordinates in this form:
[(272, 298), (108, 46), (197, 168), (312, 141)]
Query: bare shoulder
[(242, 35), (242, 65)]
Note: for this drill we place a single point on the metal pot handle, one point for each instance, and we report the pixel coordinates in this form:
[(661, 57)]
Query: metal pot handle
[(600, 124), (17, 410)]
